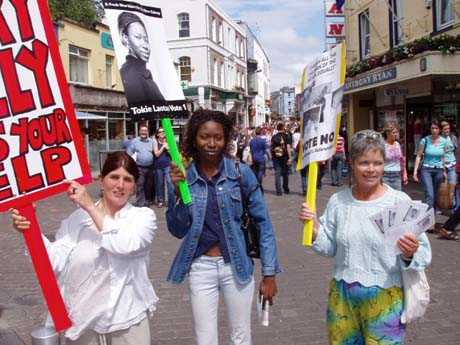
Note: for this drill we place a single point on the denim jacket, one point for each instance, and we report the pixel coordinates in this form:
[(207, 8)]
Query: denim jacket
[(187, 222)]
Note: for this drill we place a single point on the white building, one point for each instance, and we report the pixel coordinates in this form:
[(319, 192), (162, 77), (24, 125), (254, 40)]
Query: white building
[(275, 108), (287, 102), (210, 49), (258, 79)]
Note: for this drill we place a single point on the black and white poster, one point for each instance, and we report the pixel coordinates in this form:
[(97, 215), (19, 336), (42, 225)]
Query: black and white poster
[(149, 78), (321, 104)]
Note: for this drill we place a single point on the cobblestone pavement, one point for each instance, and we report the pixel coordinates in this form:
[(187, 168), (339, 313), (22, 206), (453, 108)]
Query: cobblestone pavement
[(298, 316)]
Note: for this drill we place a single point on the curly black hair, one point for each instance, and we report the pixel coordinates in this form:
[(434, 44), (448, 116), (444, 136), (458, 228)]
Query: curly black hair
[(198, 118)]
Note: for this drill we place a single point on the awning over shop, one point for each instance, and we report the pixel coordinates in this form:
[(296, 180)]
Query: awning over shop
[(81, 115)]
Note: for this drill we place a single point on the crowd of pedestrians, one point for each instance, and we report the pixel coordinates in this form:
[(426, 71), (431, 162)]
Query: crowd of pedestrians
[(101, 251), (153, 162)]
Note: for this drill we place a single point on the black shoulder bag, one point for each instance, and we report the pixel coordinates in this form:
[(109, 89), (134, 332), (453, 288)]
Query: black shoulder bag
[(248, 226)]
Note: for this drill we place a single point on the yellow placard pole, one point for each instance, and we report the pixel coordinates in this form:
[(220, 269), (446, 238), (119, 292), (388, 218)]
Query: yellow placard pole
[(307, 239)]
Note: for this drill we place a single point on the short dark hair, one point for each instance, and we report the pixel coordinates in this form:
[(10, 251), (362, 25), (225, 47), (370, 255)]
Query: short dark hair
[(280, 126), (127, 18), (197, 119), (435, 123), (120, 159)]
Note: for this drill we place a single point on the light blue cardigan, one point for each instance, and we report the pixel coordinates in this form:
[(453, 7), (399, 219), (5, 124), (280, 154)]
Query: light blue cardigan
[(358, 249)]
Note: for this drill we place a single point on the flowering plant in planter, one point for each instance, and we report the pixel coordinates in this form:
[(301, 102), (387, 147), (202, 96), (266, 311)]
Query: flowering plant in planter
[(446, 44)]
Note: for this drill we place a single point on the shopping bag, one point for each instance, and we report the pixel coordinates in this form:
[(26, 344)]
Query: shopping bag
[(416, 295), (445, 198)]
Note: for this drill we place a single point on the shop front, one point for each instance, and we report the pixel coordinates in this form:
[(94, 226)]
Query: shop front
[(104, 132), (406, 95)]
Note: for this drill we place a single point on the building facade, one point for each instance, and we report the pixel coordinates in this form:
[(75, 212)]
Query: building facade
[(210, 51), (287, 102), (403, 66), (258, 79), (275, 108)]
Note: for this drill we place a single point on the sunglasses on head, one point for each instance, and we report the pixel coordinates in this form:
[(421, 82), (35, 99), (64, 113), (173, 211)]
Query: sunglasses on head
[(368, 134)]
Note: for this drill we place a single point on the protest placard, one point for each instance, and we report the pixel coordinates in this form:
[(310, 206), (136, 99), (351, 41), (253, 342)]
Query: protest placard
[(149, 77), (320, 109), (321, 104), (40, 142)]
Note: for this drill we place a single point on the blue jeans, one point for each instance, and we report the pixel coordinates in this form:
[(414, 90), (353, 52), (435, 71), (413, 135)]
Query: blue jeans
[(336, 169), (304, 177), (210, 276), (161, 176), (451, 175), (144, 186), (281, 170), (259, 171), (393, 179), (431, 179)]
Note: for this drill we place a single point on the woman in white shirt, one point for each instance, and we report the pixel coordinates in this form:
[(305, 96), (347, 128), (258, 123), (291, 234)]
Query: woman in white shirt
[(101, 256)]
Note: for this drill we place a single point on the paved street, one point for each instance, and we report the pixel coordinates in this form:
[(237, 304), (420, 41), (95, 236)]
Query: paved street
[(298, 316)]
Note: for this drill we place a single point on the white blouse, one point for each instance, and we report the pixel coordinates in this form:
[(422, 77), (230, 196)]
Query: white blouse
[(104, 275)]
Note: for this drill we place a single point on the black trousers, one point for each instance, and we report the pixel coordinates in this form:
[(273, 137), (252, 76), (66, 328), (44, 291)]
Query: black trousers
[(453, 221)]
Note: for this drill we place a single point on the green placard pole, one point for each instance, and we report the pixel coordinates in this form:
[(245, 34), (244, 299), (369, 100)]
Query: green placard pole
[(177, 158)]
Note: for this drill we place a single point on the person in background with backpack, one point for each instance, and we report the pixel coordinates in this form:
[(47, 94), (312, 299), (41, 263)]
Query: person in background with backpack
[(281, 156), (213, 253)]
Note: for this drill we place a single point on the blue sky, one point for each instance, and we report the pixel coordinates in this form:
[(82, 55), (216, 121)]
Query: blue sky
[(291, 32)]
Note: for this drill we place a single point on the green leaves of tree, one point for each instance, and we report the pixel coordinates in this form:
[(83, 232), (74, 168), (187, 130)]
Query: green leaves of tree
[(86, 12)]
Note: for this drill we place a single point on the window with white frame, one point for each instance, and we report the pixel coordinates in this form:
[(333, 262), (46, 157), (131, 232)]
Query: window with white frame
[(231, 75), (185, 68), (228, 39), (396, 20), (212, 72), (220, 40), (221, 75), (216, 72), (237, 44), (444, 13), (78, 64), (184, 24), (213, 29), (364, 34), (108, 71)]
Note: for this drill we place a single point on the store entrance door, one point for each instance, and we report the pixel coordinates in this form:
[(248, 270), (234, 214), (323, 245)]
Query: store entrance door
[(419, 112)]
